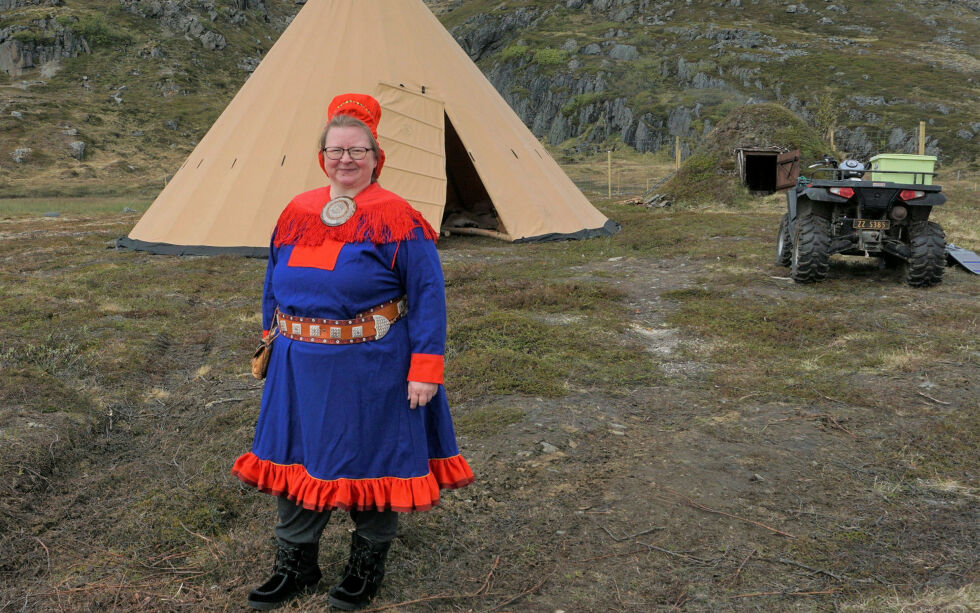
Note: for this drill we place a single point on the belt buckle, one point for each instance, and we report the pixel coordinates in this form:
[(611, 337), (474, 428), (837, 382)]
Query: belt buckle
[(381, 326)]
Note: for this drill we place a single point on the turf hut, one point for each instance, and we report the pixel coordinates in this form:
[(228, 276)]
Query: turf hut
[(767, 138), (455, 149)]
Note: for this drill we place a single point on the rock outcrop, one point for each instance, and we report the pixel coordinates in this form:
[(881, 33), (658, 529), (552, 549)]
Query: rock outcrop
[(179, 16), (46, 40), (483, 33)]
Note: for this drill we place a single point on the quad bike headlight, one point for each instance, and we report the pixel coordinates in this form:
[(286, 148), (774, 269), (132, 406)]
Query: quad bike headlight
[(898, 212)]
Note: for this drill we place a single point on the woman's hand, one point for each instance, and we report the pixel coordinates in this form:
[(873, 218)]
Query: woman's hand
[(419, 394)]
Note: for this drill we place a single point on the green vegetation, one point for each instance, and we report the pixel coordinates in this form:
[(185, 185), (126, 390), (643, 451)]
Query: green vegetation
[(577, 370), (100, 33), (702, 179), (582, 100), (33, 37), (550, 58), (515, 52)]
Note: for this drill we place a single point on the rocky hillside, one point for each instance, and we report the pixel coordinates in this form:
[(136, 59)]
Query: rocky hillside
[(104, 96)]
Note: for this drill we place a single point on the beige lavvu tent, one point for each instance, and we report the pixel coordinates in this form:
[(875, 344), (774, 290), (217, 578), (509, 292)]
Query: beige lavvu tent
[(455, 149)]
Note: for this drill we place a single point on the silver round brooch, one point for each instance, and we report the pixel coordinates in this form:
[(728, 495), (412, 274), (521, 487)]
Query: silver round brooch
[(338, 211)]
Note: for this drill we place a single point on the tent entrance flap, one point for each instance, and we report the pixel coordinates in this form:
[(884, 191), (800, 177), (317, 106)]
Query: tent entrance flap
[(468, 205), (412, 133)]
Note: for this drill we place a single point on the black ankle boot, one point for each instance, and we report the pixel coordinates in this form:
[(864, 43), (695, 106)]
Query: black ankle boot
[(295, 572), (363, 575)]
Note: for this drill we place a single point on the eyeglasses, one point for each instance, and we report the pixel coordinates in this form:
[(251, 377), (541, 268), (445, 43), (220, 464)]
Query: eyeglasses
[(356, 153)]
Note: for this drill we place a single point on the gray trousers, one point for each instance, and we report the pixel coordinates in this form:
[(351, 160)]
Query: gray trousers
[(299, 526)]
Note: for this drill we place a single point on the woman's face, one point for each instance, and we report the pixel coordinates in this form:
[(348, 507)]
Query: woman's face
[(349, 176)]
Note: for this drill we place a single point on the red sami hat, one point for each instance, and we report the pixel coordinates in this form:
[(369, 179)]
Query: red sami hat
[(362, 107)]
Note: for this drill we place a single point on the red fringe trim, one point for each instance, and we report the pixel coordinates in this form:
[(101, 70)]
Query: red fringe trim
[(382, 493), (381, 217)]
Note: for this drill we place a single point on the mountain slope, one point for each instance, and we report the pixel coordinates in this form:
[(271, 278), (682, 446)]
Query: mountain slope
[(103, 97)]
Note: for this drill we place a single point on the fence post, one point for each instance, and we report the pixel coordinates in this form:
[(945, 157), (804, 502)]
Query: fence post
[(922, 138), (609, 173), (677, 152)]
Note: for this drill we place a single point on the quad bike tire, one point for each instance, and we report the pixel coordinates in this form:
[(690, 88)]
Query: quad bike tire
[(784, 243), (927, 262), (811, 249)]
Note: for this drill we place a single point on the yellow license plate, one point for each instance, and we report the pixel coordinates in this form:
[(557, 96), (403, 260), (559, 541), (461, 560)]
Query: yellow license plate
[(870, 224)]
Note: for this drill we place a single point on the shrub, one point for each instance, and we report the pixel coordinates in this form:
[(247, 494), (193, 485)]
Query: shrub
[(514, 52), (99, 33), (549, 58), (34, 37)]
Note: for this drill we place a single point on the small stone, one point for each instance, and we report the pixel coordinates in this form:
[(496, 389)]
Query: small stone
[(928, 385), (617, 432), (756, 477), (548, 447), (77, 149), (16, 114)]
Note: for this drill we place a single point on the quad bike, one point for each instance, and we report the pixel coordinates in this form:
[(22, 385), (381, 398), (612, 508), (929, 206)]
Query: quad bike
[(837, 211)]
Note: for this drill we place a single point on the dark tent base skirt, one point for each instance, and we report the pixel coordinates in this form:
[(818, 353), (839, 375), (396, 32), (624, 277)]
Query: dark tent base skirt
[(610, 228), (168, 249)]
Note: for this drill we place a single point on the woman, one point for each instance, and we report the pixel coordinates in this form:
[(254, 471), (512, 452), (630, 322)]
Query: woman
[(353, 414)]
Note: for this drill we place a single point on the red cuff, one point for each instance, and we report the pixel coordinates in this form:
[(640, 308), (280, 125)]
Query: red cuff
[(265, 333), (426, 368)]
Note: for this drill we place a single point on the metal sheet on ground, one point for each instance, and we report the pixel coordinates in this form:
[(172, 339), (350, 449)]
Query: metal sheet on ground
[(964, 257)]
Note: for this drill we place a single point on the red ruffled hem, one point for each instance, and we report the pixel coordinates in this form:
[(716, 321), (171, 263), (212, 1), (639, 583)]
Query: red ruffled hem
[(382, 493)]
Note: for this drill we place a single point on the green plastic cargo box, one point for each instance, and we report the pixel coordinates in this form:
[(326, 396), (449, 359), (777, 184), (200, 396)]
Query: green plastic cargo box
[(915, 169)]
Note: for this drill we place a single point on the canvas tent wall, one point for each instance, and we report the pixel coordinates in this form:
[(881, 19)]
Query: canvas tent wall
[(436, 103)]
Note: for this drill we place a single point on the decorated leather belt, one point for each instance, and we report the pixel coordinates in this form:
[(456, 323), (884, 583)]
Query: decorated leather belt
[(367, 326)]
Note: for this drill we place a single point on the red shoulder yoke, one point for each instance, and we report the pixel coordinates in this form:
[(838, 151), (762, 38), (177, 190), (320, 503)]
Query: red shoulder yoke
[(381, 217)]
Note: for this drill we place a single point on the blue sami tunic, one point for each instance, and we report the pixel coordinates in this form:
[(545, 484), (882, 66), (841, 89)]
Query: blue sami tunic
[(335, 429)]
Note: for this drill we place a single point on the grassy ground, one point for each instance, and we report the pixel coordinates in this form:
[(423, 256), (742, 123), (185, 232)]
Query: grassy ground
[(659, 420)]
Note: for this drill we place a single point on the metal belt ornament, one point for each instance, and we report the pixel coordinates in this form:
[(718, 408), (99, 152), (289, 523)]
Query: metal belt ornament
[(338, 211), (370, 325)]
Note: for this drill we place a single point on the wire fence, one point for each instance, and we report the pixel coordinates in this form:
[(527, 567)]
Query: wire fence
[(601, 188), (620, 186)]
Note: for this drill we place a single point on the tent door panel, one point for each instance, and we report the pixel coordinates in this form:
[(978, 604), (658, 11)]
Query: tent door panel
[(412, 133)]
